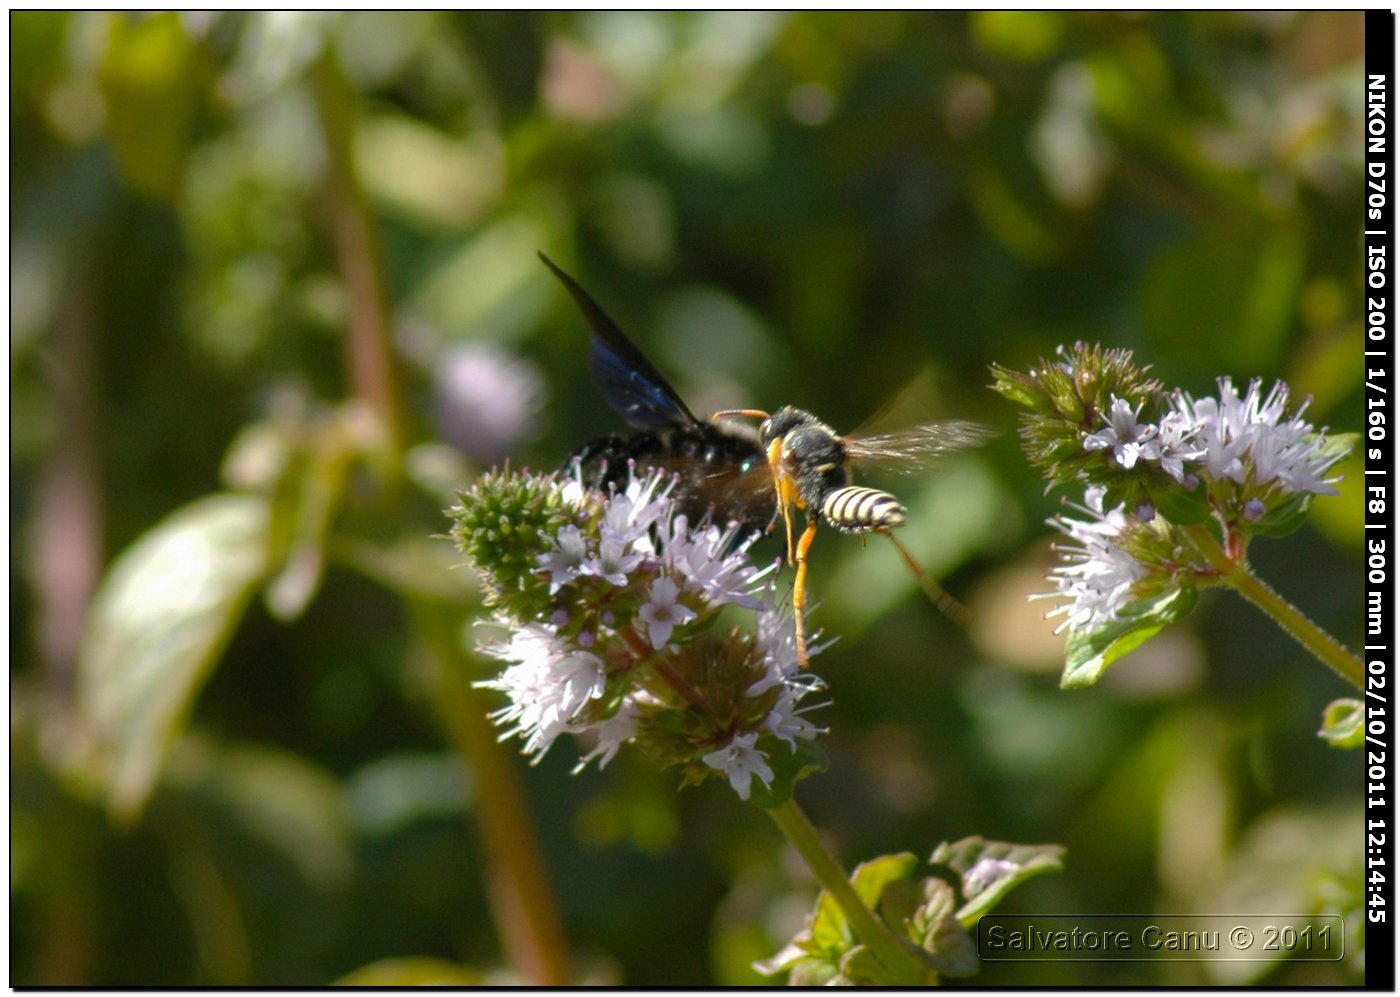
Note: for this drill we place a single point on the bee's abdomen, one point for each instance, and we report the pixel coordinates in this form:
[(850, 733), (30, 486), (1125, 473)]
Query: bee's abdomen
[(859, 510)]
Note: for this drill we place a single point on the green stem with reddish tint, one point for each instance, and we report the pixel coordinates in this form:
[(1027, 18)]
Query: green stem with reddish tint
[(1236, 573)]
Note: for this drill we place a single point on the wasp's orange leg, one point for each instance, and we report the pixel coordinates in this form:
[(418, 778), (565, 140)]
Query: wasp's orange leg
[(799, 590), (787, 521)]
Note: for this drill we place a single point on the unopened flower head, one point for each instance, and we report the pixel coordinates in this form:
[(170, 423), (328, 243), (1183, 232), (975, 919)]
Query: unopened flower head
[(614, 638)]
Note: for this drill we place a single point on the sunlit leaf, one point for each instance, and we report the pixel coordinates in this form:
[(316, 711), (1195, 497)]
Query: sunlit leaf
[(989, 869), (870, 878), (814, 973), (157, 625), (1089, 653)]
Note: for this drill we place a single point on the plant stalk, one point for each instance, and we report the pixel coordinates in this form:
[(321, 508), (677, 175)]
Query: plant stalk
[(523, 903), (1236, 573), (905, 968), (369, 339)]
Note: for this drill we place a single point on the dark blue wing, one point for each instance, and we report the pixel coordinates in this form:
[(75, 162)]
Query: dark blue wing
[(625, 376)]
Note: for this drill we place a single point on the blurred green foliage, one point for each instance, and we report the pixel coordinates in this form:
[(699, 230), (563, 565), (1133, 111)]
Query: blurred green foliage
[(818, 209)]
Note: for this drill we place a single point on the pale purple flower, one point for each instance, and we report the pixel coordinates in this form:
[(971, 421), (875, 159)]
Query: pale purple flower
[(1096, 577), (663, 613), (985, 872), (1124, 435), (612, 734), (1174, 444), (558, 671), (709, 566), (775, 633), (784, 720), (614, 560), (548, 683), (564, 563), (1245, 441), (1285, 454), (629, 515), (741, 761), (487, 399)]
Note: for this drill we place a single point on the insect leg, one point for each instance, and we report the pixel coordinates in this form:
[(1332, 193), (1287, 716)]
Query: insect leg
[(799, 589), (787, 521), (937, 594)]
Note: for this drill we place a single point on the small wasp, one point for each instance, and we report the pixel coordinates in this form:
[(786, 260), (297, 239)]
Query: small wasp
[(809, 464), (795, 458)]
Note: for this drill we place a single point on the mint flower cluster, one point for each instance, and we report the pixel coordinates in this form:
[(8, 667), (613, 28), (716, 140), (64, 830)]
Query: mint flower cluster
[(1251, 460), (606, 618), (1175, 488)]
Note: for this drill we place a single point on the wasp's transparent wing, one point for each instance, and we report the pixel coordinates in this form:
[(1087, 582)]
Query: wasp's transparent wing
[(908, 451), (629, 381)]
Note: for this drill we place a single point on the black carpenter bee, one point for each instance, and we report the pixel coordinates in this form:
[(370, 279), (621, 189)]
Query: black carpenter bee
[(709, 460), (795, 460)]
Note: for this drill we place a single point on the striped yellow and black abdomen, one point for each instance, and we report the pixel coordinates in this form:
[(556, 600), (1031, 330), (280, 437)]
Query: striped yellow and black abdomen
[(855, 509)]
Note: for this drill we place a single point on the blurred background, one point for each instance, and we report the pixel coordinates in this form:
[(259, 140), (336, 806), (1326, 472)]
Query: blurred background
[(274, 294)]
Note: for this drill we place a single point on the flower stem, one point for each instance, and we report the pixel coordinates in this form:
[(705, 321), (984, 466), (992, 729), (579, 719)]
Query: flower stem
[(1236, 573), (905, 968), (370, 360), (522, 900)]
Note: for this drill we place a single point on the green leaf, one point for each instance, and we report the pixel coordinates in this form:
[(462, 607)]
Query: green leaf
[(1179, 504), (316, 489), (1120, 490), (302, 464), (1343, 724), (1019, 388), (860, 968), (809, 963), (871, 878), (1089, 653), (950, 948), (282, 800), (1286, 517), (830, 931), (814, 972), (900, 901), (792, 953), (412, 971), (157, 625), (152, 79), (790, 765), (988, 870)]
